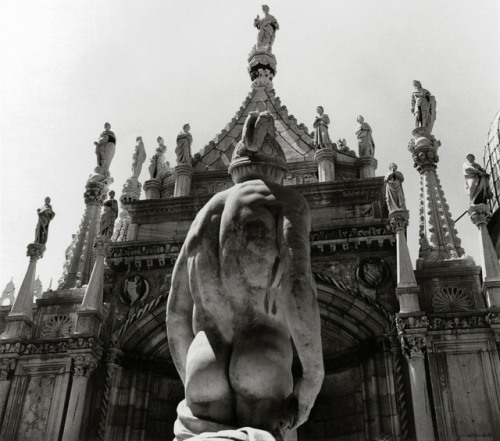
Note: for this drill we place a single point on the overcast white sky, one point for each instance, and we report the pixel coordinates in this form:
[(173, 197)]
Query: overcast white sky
[(148, 67)]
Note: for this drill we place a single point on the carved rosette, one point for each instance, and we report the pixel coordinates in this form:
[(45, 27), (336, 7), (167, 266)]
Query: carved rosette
[(35, 251), (451, 299), (84, 365), (57, 326), (479, 214), (399, 219), (6, 366), (95, 193)]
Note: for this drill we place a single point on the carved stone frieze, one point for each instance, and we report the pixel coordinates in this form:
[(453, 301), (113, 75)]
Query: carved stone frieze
[(151, 254), (451, 299), (412, 322), (57, 326), (480, 214), (474, 321), (44, 347)]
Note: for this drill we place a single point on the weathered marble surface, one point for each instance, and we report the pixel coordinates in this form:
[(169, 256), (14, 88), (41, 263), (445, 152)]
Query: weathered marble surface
[(423, 106), (394, 194), (241, 288), (321, 137), (366, 145), (45, 215), (105, 149)]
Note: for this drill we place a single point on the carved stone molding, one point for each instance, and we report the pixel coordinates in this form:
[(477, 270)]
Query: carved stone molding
[(84, 365), (470, 322), (451, 299), (6, 366), (51, 347)]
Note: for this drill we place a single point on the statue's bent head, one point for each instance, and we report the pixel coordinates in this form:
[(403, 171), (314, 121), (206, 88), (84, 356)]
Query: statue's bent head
[(258, 155)]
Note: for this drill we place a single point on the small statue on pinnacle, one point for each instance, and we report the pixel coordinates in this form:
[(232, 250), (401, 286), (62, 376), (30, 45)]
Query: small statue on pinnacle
[(45, 215), (477, 181), (105, 150), (267, 26), (423, 106)]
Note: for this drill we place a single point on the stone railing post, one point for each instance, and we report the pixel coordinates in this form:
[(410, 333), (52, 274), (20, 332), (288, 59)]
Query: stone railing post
[(325, 159), (152, 188), (183, 176), (366, 167)]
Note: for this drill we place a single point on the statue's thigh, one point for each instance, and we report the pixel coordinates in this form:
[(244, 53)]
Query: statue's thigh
[(206, 373), (260, 365)]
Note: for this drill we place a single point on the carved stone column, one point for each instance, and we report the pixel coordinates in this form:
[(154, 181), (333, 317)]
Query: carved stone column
[(152, 188), (326, 164), (20, 318), (80, 261), (7, 365), (84, 365), (366, 167), (407, 289), (412, 333), (183, 176), (479, 215), (414, 347)]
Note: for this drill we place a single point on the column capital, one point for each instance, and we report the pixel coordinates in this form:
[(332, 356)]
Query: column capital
[(413, 346), (479, 214), (424, 152), (35, 251), (325, 155), (84, 365), (95, 193), (7, 364), (399, 219)]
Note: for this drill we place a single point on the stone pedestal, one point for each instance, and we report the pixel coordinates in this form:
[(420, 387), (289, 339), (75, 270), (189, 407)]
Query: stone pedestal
[(366, 167), (183, 176), (479, 215), (326, 164), (20, 318), (152, 188)]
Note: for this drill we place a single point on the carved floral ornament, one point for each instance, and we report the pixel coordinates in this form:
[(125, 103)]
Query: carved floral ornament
[(84, 365), (451, 299)]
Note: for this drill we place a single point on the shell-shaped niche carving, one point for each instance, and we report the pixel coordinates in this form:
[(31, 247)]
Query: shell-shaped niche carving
[(57, 326), (451, 299)]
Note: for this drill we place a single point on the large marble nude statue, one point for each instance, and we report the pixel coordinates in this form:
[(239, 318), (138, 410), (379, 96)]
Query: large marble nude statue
[(241, 292)]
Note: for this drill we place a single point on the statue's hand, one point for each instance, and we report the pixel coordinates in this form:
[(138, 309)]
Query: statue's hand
[(305, 392)]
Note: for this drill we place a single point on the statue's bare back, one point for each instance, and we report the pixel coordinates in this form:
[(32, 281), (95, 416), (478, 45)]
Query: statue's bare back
[(241, 292)]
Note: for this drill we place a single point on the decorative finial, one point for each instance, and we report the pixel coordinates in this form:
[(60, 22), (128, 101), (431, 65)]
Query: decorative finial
[(366, 144), (45, 215)]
